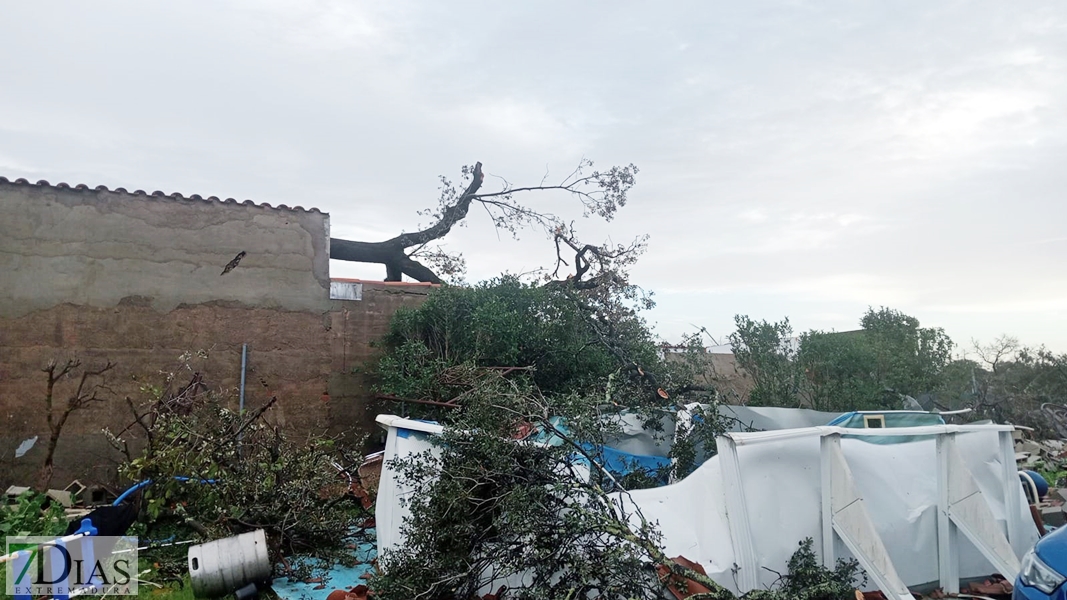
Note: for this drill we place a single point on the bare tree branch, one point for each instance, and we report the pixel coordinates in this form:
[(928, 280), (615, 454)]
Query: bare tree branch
[(601, 193), (79, 399)]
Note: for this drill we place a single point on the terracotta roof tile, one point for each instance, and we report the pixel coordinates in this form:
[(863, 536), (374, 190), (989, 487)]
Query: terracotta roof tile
[(157, 194)]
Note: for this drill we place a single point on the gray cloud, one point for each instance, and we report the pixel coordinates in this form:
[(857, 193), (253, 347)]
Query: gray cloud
[(796, 158)]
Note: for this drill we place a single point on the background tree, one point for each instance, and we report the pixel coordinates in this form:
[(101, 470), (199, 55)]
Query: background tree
[(994, 355), (908, 358), (839, 372), (958, 388), (870, 368), (766, 352), (1009, 382), (600, 193)]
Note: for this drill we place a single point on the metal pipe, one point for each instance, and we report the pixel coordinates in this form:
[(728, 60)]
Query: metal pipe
[(244, 365)]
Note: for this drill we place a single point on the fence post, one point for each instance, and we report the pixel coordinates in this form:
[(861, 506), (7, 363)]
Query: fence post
[(88, 550), (57, 560), (22, 558)]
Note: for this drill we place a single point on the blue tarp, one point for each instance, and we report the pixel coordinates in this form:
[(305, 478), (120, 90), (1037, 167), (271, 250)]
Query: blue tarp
[(621, 463), (337, 577), (887, 419), (617, 462)]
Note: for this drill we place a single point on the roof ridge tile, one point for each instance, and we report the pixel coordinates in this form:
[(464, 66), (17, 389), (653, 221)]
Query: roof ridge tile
[(81, 187)]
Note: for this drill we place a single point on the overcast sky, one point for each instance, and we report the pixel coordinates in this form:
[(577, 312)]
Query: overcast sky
[(801, 159)]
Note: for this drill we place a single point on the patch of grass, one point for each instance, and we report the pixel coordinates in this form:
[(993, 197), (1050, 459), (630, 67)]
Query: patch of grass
[(150, 587), (169, 591), (1055, 477)]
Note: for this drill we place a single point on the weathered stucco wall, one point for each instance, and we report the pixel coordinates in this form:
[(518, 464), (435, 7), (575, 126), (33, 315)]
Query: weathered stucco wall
[(134, 279), (95, 248)]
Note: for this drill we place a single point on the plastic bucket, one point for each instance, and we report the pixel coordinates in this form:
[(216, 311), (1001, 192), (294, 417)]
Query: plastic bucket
[(221, 567)]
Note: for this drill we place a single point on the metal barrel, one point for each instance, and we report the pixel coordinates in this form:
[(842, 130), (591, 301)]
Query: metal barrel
[(221, 567)]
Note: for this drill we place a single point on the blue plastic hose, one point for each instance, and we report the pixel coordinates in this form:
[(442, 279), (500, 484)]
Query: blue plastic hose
[(147, 482)]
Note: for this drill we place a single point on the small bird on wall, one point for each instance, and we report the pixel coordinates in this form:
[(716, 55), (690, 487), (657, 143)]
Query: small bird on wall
[(233, 263)]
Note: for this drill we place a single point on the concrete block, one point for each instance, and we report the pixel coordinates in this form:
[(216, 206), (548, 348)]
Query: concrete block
[(1053, 515), (14, 492), (1028, 446)]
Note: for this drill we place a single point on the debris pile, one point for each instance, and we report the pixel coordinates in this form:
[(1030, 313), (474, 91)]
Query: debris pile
[(1045, 455), (1047, 458), (77, 499)]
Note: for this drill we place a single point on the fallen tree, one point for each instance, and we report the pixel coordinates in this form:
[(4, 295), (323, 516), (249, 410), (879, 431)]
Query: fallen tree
[(600, 193), (219, 472), (544, 520), (495, 361)]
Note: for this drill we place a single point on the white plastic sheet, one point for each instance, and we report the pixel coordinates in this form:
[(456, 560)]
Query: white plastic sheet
[(780, 487), (770, 418), (780, 483)]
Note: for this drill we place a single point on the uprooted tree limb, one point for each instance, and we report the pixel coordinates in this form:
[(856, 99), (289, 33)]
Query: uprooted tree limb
[(601, 193), (223, 472), (617, 520), (547, 518)]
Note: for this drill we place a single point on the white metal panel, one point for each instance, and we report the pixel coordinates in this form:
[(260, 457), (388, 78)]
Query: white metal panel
[(346, 290), (853, 523), (762, 437), (826, 477), (948, 563), (406, 437), (970, 512), (737, 514), (1020, 530)]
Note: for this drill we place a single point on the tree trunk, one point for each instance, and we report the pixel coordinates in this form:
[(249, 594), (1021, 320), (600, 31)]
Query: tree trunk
[(392, 253), (388, 253), (44, 477)]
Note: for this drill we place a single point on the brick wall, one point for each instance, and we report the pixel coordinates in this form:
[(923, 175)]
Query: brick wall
[(134, 279)]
